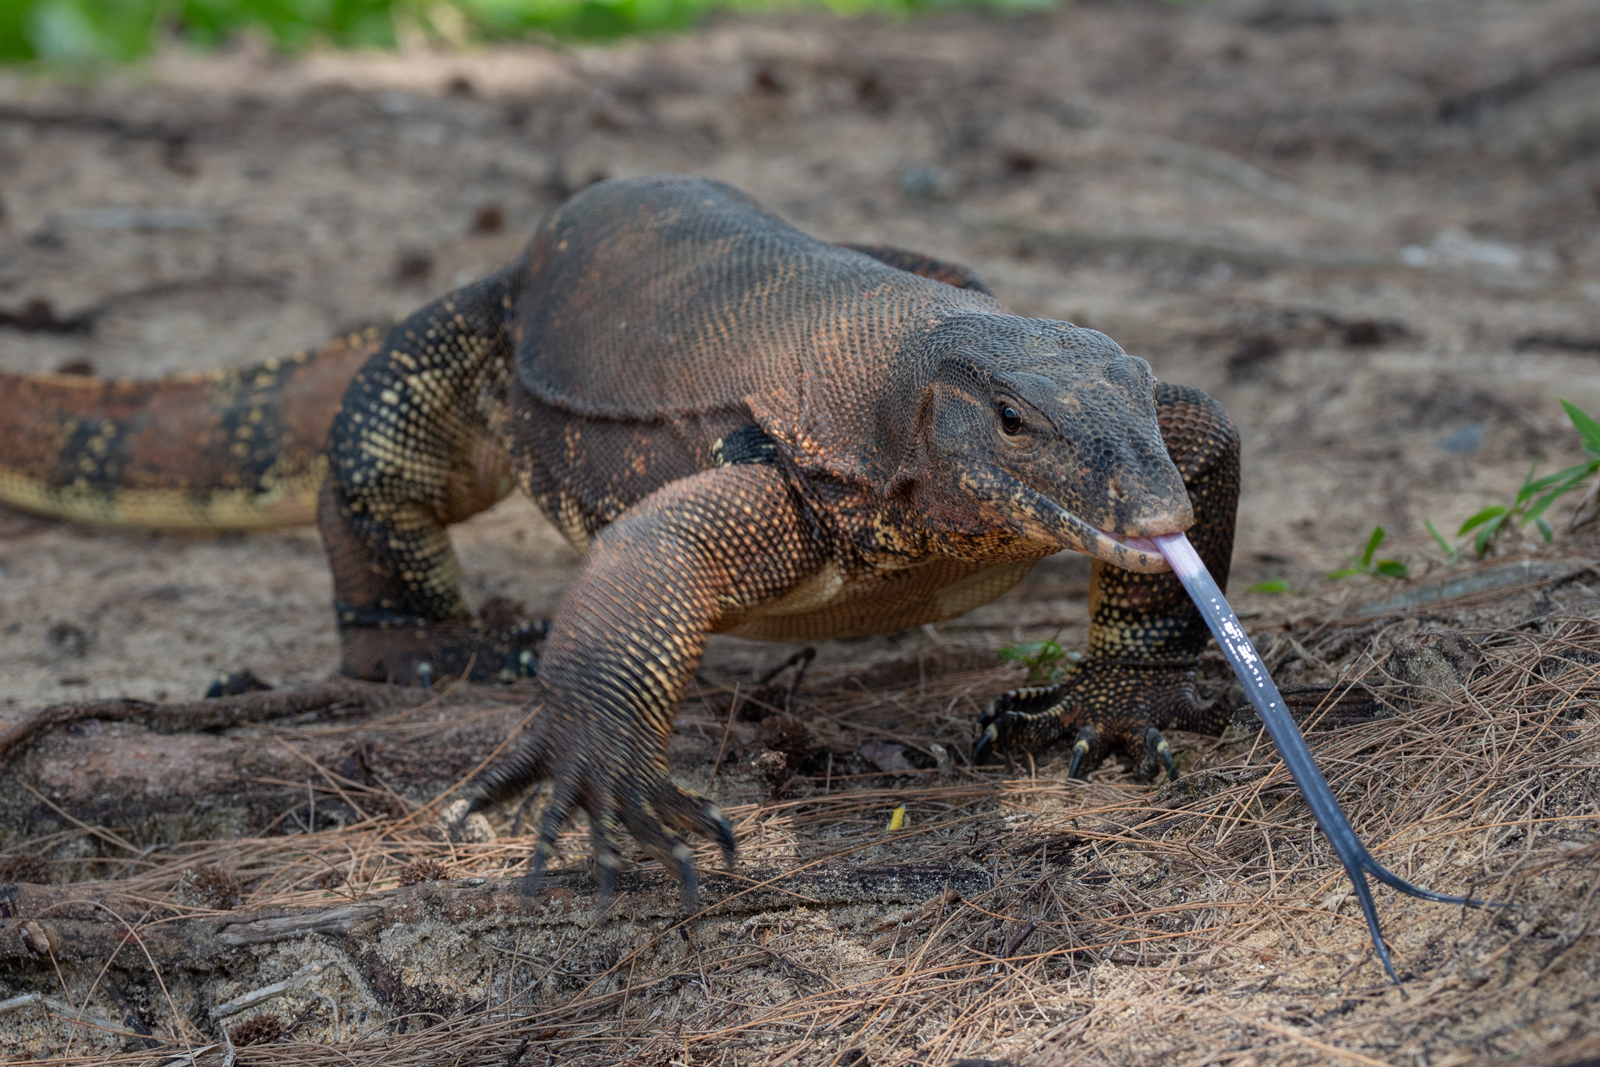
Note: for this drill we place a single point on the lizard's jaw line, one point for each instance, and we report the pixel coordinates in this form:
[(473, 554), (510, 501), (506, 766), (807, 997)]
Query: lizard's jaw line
[(1035, 516), (1139, 554)]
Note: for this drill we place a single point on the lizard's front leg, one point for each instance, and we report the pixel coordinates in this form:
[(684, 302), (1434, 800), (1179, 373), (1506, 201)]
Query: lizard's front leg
[(1145, 636), (623, 646)]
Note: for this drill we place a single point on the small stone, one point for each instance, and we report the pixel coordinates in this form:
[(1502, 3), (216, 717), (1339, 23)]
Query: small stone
[(887, 756), (40, 939), (459, 826), (1433, 663), (922, 182)]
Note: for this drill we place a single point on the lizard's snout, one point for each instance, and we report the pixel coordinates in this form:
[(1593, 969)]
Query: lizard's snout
[(1133, 510), (1169, 520)]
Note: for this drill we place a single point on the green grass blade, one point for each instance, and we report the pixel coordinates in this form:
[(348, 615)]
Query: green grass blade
[(1488, 531), (1577, 472), (1528, 484), (1271, 585), (1587, 428), (1372, 546), (1450, 552), (1539, 506), (1493, 511)]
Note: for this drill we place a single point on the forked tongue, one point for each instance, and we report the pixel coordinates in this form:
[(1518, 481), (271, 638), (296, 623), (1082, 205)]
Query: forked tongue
[(1235, 645)]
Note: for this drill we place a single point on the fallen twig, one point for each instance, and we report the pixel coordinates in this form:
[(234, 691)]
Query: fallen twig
[(216, 713)]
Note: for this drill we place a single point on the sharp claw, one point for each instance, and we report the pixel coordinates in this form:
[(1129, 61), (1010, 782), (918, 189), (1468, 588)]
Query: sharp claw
[(522, 811), (684, 857), (541, 856), (607, 858), (1080, 749), (555, 816), (1163, 752), (980, 751), (606, 882), (724, 836)]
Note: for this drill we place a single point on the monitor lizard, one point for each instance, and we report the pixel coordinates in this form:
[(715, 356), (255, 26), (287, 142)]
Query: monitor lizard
[(746, 429)]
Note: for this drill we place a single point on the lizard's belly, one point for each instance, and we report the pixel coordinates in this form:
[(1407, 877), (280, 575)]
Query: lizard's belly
[(832, 603)]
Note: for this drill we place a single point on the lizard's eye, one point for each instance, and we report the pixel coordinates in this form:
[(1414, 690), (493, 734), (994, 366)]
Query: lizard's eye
[(1010, 420)]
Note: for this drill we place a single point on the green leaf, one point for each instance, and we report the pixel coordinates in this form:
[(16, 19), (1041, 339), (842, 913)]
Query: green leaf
[(1345, 572), (1487, 532), (1450, 552), (1042, 658), (1544, 528), (1573, 474), (1490, 512), (1587, 428), (1537, 508), (1271, 585), (1372, 546), (1392, 568), (1528, 484)]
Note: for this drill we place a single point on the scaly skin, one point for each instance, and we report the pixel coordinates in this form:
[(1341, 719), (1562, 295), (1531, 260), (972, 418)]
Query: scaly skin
[(229, 450), (1145, 636), (754, 432)]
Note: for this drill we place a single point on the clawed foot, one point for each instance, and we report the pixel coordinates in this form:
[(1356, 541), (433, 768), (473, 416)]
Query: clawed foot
[(1102, 708), (621, 786)]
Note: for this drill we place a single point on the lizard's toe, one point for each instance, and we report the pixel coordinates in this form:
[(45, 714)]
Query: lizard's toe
[(603, 839), (563, 798), (1083, 749), (1104, 708), (1024, 720), (235, 683), (685, 811), (618, 795), (526, 765), (670, 850), (1156, 745)]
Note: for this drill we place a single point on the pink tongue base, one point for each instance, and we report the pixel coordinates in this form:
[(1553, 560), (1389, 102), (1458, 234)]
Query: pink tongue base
[(1174, 548), (1143, 544)]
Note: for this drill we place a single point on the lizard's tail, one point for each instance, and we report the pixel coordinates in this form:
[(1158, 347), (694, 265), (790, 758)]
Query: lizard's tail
[(229, 450)]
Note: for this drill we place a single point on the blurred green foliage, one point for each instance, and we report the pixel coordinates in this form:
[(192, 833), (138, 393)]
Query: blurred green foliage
[(1366, 564), (1504, 522), (120, 30), (1046, 660)]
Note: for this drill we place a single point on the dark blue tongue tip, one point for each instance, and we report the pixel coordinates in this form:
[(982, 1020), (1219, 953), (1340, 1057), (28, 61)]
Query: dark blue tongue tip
[(1264, 696)]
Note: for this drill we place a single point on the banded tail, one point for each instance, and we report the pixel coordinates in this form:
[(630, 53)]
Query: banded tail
[(228, 450)]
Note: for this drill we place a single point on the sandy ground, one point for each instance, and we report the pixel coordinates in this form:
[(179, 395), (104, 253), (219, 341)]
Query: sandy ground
[(1352, 225), (1372, 230)]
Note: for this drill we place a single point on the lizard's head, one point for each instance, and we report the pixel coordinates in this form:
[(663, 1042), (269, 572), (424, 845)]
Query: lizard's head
[(1045, 430)]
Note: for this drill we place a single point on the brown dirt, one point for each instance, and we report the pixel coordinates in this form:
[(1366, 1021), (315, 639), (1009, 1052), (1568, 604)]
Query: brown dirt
[(1372, 230)]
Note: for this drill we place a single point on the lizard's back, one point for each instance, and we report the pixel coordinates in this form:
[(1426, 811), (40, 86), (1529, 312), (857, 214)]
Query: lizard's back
[(659, 316)]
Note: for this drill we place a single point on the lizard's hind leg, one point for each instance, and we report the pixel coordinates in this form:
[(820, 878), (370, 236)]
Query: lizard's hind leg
[(416, 446)]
